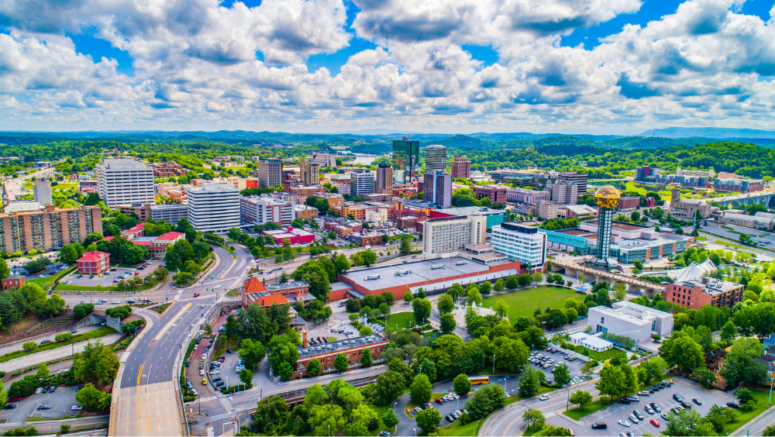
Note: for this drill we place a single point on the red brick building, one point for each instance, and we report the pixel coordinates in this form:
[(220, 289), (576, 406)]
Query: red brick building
[(629, 202), (93, 263), (254, 291), (14, 282), (326, 354), (707, 291), (496, 193), (461, 167)]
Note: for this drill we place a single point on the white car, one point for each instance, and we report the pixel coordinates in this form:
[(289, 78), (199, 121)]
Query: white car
[(543, 397), (39, 390), (633, 418), (204, 356), (201, 373), (116, 300), (625, 423), (76, 408)]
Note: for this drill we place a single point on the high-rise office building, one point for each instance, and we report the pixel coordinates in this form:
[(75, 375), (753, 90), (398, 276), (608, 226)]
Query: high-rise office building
[(520, 243), (270, 173), (461, 167), (124, 182), (578, 178), (48, 227), (406, 155), (41, 191), (214, 207), (437, 188), (384, 179), (310, 173), (435, 158), (265, 209), (361, 183)]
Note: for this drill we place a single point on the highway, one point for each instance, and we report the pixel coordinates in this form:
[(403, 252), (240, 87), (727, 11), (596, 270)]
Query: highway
[(148, 402)]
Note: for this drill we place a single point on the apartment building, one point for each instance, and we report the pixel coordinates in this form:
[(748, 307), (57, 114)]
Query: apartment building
[(305, 212), (461, 167), (265, 209), (520, 243), (93, 263), (706, 291), (124, 182), (527, 197), (214, 207), (450, 234), (548, 210), (326, 354), (270, 173), (362, 183), (628, 203), (738, 185), (334, 200), (565, 192), (304, 191), (48, 227), (310, 173), (384, 179), (168, 169), (580, 179), (169, 213)]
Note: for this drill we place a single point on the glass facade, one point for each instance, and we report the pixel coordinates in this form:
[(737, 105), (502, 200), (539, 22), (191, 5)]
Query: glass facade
[(406, 156)]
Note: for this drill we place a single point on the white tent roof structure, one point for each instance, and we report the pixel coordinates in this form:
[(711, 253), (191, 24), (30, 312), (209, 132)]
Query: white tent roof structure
[(693, 272)]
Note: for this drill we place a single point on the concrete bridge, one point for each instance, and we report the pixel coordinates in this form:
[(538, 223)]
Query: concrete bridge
[(758, 197), (589, 274)]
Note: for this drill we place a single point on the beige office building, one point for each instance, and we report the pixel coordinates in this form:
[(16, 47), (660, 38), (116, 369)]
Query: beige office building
[(384, 179), (310, 173), (48, 227), (452, 234)]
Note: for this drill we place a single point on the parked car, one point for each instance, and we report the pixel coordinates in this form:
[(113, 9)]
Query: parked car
[(677, 397), (654, 422), (599, 425), (76, 408), (697, 401), (44, 407)]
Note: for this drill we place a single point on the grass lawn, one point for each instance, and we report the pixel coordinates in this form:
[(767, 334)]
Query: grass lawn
[(380, 412), (700, 238), (403, 320), (746, 416), (456, 429), (601, 356), (523, 303), (62, 186), (72, 287), (47, 281), (233, 293), (97, 333), (578, 413)]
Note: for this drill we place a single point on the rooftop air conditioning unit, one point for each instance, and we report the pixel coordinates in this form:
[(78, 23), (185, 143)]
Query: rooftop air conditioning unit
[(372, 277), (438, 266), (461, 263)]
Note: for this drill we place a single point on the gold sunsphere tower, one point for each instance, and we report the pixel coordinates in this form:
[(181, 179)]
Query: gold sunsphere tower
[(607, 199)]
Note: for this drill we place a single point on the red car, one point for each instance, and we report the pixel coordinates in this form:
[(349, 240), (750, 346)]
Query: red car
[(196, 294), (14, 399), (655, 423)]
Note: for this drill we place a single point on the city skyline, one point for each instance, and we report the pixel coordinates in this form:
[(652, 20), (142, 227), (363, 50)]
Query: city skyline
[(619, 67)]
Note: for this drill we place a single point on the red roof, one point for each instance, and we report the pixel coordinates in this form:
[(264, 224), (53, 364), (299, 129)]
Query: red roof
[(136, 228), (142, 242), (271, 299), (93, 256), (254, 285), (108, 238), (170, 236)]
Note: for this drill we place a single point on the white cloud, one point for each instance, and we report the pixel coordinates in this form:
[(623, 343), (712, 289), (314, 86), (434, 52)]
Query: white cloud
[(195, 66)]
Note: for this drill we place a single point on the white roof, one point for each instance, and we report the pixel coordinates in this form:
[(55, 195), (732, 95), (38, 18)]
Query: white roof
[(693, 272), (22, 207), (591, 340)]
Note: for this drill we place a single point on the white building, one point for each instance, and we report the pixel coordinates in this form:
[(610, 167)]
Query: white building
[(214, 207), (452, 234), (124, 182), (362, 183), (265, 209), (592, 342), (520, 243), (41, 191), (169, 213), (627, 319)]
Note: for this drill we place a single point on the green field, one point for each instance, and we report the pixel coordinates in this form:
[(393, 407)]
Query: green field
[(47, 281), (402, 320), (523, 303), (578, 413), (745, 417), (456, 429), (601, 356), (97, 333)]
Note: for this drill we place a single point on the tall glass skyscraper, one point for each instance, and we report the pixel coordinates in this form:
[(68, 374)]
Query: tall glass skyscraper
[(406, 156)]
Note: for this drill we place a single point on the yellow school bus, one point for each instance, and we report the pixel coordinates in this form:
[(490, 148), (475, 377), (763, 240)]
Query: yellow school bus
[(479, 380)]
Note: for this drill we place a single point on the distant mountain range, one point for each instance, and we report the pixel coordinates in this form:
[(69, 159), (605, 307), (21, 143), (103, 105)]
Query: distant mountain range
[(708, 132)]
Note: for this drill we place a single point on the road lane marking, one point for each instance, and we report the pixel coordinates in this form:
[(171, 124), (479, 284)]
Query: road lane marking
[(171, 322)]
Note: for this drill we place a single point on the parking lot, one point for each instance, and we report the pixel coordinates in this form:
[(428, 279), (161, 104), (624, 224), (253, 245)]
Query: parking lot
[(61, 402), (573, 365), (193, 370), (663, 398)]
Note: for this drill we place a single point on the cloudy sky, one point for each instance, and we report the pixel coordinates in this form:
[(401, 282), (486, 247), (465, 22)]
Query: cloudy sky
[(597, 66)]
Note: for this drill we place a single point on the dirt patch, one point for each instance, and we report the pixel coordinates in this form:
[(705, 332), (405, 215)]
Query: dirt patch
[(32, 326)]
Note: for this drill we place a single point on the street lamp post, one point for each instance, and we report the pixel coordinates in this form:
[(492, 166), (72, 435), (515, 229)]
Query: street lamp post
[(493, 364), (415, 431)]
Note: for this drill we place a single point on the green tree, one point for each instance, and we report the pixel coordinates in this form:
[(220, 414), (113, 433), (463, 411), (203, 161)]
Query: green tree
[(529, 382), (96, 361), (741, 364), (408, 296), (271, 416), (728, 331), (246, 376), (620, 291), (512, 282), (461, 385), (654, 368), (29, 346), (448, 323), (612, 381), (705, 377), (581, 398), (501, 308), (5, 271), (681, 350), (42, 372), (252, 353), (687, 423), (561, 374), (92, 399), (390, 385), (499, 285), (340, 363), (64, 428), (554, 431), (486, 400), (421, 390), (390, 419), (428, 420), (313, 367), (534, 419), (366, 359), (422, 310), (445, 304), (406, 247), (486, 288)]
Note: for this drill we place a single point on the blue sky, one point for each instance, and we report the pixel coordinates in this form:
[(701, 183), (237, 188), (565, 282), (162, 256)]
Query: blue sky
[(435, 65)]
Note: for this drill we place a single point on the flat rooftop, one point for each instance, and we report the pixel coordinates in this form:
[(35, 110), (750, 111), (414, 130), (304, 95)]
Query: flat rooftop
[(334, 346), (287, 285), (623, 226), (574, 232), (417, 272), (713, 287)]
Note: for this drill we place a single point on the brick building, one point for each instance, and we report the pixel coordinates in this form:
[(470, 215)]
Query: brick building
[(628, 203), (304, 191), (706, 291), (496, 193), (326, 354), (366, 239), (14, 282), (93, 263), (461, 167), (167, 169)]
